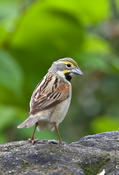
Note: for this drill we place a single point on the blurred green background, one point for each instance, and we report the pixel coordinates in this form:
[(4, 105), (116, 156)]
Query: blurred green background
[(34, 33)]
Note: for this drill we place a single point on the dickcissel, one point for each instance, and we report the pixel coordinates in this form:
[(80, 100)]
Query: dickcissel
[(51, 98)]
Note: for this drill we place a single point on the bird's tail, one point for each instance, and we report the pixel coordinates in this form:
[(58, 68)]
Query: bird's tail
[(29, 122)]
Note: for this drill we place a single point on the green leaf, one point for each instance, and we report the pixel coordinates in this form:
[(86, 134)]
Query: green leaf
[(11, 76), (54, 33), (7, 115), (105, 62), (94, 43), (94, 61), (105, 123), (114, 62), (9, 10), (87, 11)]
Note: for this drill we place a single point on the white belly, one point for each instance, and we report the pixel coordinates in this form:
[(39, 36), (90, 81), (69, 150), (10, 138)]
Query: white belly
[(60, 111)]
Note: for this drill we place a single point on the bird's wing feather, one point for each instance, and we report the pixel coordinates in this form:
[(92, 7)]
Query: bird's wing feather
[(51, 91)]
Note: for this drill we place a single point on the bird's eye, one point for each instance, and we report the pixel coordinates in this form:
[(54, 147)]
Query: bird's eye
[(68, 65)]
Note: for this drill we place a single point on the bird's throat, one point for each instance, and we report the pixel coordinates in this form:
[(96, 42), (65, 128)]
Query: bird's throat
[(68, 77)]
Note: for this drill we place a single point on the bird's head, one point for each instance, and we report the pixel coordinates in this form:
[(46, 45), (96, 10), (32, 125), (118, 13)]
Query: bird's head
[(65, 68)]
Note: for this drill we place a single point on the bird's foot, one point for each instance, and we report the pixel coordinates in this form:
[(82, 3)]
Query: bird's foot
[(33, 141)]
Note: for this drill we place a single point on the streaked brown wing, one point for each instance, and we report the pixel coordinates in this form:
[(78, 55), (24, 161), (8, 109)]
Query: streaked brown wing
[(49, 93)]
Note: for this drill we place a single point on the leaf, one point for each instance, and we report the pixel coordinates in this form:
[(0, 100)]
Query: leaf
[(87, 11), (114, 62), (8, 114), (105, 123), (53, 33), (94, 61), (9, 10), (11, 75), (94, 43)]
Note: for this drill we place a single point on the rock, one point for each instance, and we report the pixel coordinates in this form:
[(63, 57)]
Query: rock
[(91, 155)]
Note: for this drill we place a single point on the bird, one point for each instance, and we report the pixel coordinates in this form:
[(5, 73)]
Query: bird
[(51, 98)]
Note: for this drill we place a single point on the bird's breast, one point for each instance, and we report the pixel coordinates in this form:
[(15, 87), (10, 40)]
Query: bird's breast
[(61, 110)]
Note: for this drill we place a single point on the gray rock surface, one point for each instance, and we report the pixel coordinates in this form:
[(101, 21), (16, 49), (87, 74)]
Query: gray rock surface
[(90, 155)]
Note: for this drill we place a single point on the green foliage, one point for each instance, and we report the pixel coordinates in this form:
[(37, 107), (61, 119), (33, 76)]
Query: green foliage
[(105, 124), (35, 33), (11, 76)]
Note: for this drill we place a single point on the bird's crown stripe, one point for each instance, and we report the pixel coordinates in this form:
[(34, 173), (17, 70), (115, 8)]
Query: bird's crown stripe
[(68, 62)]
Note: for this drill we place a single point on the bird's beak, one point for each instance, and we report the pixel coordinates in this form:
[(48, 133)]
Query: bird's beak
[(76, 71)]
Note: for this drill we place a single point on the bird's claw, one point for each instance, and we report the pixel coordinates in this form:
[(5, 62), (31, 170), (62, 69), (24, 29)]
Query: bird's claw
[(32, 141)]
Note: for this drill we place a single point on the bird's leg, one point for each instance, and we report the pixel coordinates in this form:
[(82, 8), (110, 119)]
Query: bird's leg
[(32, 138), (58, 133)]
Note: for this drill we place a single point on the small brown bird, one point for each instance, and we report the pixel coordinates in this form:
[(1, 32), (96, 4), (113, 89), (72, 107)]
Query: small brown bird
[(51, 98)]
